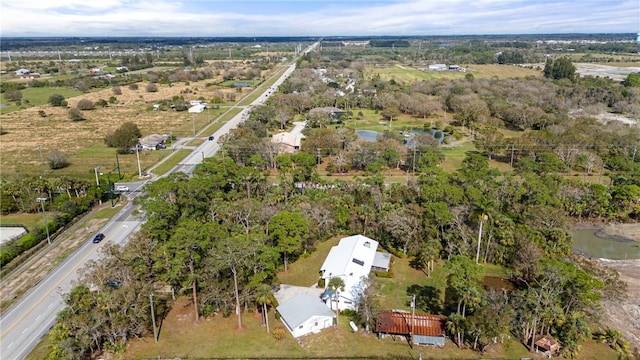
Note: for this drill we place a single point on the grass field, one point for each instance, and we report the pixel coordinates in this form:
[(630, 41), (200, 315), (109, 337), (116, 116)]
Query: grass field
[(27, 220), (25, 130), (407, 74), (37, 97)]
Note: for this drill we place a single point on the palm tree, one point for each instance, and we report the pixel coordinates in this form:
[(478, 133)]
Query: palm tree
[(336, 284), (265, 298)]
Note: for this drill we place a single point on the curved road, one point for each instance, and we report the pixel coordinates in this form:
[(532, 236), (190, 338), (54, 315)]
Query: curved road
[(32, 316)]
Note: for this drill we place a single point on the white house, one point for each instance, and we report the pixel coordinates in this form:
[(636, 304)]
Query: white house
[(305, 314), (351, 260)]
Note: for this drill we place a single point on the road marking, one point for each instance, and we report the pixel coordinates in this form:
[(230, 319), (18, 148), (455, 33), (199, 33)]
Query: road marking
[(24, 331), (82, 261), (10, 345), (38, 318)]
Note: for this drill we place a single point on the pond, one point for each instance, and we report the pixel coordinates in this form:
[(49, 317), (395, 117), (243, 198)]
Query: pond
[(372, 136), (3, 105), (597, 244)]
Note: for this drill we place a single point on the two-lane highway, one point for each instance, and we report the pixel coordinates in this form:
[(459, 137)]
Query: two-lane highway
[(30, 318)]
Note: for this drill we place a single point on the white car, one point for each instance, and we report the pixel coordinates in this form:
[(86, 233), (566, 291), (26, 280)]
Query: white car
[(122, 188)]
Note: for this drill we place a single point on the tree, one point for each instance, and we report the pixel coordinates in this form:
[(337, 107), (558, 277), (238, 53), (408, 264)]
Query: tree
[(13, 94), (561, 68), (233, 254), (76, 115), (151, 87), (57, 160), (117, 90), (367, 304), (86, 104), (336, 284), (265, 298), (288, 229), (124, 137), (57, 100)]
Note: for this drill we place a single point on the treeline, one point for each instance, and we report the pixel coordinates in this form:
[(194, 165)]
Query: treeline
[(67, 197), (218, 235)]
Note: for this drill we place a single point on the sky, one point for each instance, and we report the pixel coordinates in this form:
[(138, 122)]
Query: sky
[(314, 18)]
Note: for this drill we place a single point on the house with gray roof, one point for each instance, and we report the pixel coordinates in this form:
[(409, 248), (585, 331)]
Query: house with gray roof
[(305, 314)]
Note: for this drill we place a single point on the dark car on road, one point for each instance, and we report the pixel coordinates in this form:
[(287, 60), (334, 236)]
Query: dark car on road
[(211, 137), (98, 238)]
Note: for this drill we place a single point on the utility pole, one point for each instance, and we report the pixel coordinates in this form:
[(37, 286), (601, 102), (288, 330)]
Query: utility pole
[(413, 319), (41, 200), (96, 171), (138, 157), (118, 165), (153, 318), (193, 123), (41, 160)]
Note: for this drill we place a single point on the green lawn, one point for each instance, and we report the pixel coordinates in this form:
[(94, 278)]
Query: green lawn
[(454, 154), (305, 271), (37, 96), (171, 162), (28, 220)]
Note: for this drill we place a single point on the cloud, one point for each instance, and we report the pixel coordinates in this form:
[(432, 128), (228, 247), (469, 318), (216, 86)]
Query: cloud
[(313, 18)]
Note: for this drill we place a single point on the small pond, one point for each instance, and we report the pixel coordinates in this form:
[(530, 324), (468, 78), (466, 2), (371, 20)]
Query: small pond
[(371, 136), (595, 243), (3, 105)]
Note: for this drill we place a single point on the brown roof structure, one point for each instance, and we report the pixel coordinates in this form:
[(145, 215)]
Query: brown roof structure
[(396, 322), (548, 343)]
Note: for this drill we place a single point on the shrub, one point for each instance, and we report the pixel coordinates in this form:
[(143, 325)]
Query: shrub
[(321, 283), (42, 113), (383, 274), (86, 104), (133, 87), (151, 87), (57, 100), (102, 102), (76, 115), (57, 160), (13, 94), (279, 333), (117, 90)]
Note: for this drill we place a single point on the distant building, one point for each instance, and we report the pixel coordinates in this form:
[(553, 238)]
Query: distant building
[(22, 71), (288, 142), (438, 67)]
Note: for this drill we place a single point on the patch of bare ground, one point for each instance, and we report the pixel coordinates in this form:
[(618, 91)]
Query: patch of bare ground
[(624, 315)]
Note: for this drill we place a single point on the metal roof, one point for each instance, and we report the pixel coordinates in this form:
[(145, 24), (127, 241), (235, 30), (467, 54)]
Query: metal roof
[(301, 308), (394, 322), (381, 260)]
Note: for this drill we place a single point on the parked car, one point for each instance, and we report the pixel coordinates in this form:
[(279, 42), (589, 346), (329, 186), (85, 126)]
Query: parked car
[(98, 238), (211, 137), (122, 188)]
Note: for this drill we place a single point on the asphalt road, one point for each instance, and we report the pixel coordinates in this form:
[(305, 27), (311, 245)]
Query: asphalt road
[(31, 317)]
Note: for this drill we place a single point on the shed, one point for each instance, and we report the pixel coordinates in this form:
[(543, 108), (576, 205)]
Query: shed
[(381, 261), (547, 344), (426, 329), (305, 314)]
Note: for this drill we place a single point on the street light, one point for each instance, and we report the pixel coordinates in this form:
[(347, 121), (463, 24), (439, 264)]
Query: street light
[(41, 200)]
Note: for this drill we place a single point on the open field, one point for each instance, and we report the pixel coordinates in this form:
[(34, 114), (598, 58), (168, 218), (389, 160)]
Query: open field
[(82, 141), (37, 97), (406, 74)]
